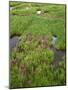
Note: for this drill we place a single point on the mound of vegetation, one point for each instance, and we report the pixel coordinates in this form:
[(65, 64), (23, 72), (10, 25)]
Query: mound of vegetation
[(31, 64)]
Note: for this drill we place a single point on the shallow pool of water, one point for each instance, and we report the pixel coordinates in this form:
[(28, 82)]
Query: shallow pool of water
[(58, 55), (13, 42)]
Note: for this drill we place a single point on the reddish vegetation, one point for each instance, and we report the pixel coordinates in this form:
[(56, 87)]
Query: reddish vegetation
[(23, 69), (14, 62), (41, 39)]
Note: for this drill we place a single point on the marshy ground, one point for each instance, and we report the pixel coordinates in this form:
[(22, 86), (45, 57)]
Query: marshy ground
[(37, 45)]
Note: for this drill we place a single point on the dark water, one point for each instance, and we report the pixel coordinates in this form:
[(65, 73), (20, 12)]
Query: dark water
[(58, 55), (13, 42)]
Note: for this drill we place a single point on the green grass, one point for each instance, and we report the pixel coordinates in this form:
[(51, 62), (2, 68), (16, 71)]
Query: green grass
[(18, 24), (50, 23), (32, 60), (24, 11), (38, 25), (13, 4), (31, 64)]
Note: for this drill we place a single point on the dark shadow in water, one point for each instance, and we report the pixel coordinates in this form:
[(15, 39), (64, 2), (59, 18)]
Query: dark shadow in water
[(58, 55)]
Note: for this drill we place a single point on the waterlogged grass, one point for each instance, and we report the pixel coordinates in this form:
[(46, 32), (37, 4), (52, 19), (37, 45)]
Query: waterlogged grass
[(31, 61)]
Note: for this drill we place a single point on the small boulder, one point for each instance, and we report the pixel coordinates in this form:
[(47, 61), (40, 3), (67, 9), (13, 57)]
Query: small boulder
[(39, 12)]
